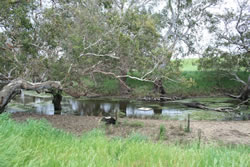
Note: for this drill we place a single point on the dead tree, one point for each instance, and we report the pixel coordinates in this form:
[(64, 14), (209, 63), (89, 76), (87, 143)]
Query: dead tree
[(10, 90), (246, 90)]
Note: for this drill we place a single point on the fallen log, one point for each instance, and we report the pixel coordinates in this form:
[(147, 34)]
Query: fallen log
[(10, 90), (204, 107)]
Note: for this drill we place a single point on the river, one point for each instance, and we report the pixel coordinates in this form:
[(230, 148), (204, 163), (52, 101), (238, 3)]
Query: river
[(42, 104)]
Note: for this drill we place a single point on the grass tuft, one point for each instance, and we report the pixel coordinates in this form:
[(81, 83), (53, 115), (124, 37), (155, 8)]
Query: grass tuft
[(162, 134)]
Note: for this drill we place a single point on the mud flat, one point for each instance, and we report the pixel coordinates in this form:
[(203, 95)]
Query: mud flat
[(227, 132)]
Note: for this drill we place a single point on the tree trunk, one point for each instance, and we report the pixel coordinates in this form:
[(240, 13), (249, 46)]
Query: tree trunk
[(14, 87), (158, 86), (246, 91)]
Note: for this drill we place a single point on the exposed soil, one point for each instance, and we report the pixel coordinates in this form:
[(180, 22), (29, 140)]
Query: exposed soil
[(228, 132)]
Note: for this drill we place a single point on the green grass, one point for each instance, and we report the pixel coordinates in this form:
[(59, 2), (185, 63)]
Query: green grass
[(162, 134), (195, 83), (36, 143), (189, 64), (204, 83), (191, 82)]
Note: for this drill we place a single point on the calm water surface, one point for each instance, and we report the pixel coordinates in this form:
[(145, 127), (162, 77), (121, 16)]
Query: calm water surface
[(95, 107)]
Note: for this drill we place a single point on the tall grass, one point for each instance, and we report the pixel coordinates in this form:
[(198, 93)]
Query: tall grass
[(36, 143)]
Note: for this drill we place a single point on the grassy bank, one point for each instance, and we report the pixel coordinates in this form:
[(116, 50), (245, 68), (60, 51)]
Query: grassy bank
[(205, 83), (190, 82), (197, 83), (36, 143)]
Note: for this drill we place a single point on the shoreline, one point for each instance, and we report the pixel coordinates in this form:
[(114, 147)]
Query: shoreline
[(227, 132)]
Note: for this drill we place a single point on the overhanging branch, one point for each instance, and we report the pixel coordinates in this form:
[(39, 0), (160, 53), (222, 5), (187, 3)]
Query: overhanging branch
[(14, 87)]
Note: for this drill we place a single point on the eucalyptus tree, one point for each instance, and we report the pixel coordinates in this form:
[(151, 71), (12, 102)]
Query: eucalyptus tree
[(21, 43), (72, 40), (121, 39), (21, 56), (183, 23), (229, 51), (15, 34)]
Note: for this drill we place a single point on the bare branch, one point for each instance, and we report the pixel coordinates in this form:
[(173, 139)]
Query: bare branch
[(238, 79), (111, 55), (156, 65), (110, 73), (136, 78)]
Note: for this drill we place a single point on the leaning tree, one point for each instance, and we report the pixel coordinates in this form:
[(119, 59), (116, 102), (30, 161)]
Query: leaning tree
[(23, 53), (118, 39)]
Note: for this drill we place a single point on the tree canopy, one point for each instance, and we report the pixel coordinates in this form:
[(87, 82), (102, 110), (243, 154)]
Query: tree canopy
[(82, 42)]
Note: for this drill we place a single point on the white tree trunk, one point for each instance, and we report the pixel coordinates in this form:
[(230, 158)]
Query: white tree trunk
[(14, 87)]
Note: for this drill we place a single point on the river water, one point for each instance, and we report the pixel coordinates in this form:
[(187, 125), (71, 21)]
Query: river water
[(32, 102)]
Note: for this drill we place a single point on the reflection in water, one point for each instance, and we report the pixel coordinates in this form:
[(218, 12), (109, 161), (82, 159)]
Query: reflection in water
[(131, 111), (37, 100), (93, 107), (106, 107), (47, 109), (74, 104), (22, 97), (171, 112)]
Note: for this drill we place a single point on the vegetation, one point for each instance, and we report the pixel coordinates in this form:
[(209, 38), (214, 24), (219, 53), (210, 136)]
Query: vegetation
[(36, 143), (120, 47), (117, 47), (162, 134)]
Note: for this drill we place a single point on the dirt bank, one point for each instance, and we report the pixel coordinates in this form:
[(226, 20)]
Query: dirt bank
[(229, 132)]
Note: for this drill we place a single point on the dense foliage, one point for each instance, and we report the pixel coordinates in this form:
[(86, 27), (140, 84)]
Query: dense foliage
[(229, 50), (114, 46)]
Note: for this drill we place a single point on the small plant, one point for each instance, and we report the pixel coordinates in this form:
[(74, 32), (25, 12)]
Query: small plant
[(199, 139), (162, 134), (187, 128)]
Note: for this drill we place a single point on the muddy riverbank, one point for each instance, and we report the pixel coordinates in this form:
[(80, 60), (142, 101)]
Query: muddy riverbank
[(228, 132)]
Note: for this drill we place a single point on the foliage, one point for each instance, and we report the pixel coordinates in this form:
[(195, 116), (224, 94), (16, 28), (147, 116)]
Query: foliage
[(67, 40), (182, 22), (108, 86), (112, 47), (229, 51), (16, 35)]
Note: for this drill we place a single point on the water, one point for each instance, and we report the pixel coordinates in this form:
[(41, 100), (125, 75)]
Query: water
[(32, 102), (94, 107)]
